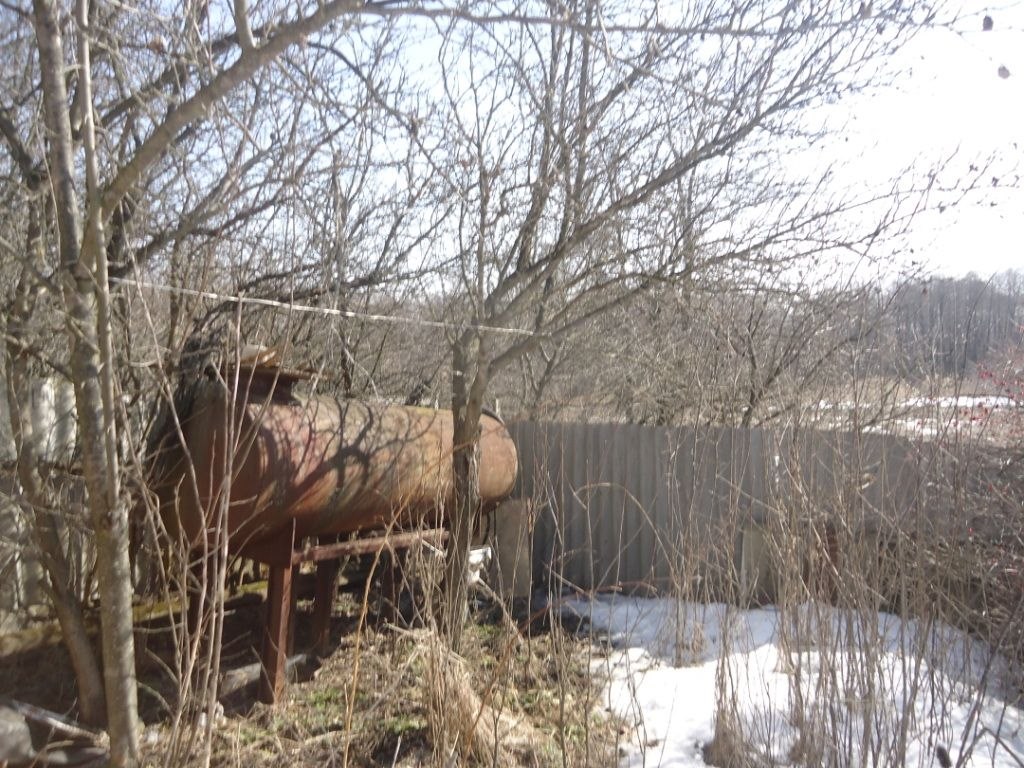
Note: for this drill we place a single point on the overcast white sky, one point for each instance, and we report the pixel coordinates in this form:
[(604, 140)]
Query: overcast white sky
[(950, 97)]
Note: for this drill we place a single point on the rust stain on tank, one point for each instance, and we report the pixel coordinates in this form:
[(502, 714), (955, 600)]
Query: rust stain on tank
[(330, 465)]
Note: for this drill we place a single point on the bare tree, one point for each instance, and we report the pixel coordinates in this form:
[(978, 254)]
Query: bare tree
[(125, 109), (594, 151)]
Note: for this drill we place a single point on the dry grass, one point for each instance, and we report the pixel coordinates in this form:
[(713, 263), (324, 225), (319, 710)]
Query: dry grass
[(399, 697)]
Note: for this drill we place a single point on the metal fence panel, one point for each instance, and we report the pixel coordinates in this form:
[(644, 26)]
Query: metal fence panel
[(619, 505)]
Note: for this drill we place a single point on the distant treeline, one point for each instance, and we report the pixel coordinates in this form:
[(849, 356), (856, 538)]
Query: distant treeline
[(947, 325)]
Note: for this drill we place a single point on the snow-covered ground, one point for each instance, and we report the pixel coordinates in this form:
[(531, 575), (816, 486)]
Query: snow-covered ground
[(989, 417), (814, 686), (962, 402)]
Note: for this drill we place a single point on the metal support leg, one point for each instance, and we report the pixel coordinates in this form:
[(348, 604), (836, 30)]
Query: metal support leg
[(390, 587), (323, 602), (275, 635)]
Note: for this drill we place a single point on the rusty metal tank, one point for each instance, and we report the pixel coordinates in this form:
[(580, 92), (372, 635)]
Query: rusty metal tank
[(331, 466)]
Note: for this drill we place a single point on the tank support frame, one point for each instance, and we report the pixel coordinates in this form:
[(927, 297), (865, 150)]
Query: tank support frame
[(283, 558)]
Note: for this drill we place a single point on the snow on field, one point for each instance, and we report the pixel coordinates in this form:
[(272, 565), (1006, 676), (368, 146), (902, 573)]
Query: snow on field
[(963, 402), (960, 402), (663, 668), (929, 417)]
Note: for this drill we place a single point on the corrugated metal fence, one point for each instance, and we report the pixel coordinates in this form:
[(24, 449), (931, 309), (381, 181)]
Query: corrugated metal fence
[(618, 504)]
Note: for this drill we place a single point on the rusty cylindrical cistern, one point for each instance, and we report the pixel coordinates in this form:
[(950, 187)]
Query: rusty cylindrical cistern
[(247, 462), (310, 466)]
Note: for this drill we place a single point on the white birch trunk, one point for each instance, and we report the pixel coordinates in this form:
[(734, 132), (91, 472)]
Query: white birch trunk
[(86, 301)]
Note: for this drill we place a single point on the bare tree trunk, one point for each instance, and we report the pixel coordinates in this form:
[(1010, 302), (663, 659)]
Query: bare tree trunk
[(86, 300), (469, 383), (39, 501), (35, 491), (108, 504)]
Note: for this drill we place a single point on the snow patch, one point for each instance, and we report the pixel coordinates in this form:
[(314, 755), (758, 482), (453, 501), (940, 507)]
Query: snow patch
[(863, 678)]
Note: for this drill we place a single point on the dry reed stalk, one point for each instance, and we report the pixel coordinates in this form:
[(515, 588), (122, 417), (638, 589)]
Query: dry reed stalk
[(461, 723)]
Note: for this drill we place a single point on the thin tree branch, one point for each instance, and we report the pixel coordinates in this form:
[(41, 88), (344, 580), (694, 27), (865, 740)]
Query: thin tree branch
[(226, 81)]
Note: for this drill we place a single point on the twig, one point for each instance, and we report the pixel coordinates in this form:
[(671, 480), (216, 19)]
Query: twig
[(1004, 745)]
